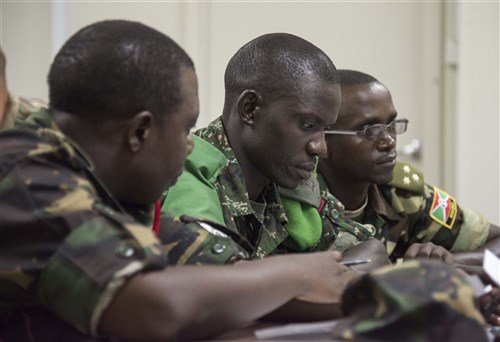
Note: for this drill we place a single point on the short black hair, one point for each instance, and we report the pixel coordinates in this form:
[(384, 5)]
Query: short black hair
[(275, 63), (117, 68), (353, 77)]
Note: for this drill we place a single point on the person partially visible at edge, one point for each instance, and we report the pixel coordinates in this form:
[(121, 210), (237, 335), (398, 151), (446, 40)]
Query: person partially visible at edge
[(79, 259), (361, 169), (14, 107), (281, 92)]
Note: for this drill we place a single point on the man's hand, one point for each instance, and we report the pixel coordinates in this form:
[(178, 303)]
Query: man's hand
[(325, 281), (371, 249), (490, 306), (326, 278), (428, 250)]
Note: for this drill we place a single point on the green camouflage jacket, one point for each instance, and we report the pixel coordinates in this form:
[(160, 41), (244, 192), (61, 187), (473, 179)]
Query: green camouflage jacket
[(407, 210), (67, 246), (213, 187), (18, 108)]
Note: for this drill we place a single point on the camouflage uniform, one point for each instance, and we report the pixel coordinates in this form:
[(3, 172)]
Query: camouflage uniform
[(407, 210), (67, 246), (18, 108), (414, 301), (213, 187)]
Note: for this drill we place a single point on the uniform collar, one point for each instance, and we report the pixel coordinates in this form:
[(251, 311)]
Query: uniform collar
[(378, 203)]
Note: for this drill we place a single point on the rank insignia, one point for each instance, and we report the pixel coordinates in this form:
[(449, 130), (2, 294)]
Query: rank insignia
[(443, 209)]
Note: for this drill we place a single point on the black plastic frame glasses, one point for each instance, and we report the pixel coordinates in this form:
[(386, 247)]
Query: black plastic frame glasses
[(396, 127)]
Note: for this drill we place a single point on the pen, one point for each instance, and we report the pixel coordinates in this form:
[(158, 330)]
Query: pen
[(354, 262)]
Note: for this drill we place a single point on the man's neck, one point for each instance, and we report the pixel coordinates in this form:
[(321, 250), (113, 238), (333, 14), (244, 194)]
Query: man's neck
[(352, 194), (255, 181)]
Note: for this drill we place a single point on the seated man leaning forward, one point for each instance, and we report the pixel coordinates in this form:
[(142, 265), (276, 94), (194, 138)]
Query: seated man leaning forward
[(281, 92), (78, 256)]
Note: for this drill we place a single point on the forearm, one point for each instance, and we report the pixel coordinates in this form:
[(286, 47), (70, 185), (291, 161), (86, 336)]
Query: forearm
[(196, 302), (475, 258), (301, 311), (471, 262)]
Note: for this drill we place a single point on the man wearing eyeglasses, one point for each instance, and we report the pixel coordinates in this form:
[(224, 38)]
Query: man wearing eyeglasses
[(411, 217)]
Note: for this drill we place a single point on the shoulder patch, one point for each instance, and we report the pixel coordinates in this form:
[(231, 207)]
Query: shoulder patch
[(407, 177), (443, 209)]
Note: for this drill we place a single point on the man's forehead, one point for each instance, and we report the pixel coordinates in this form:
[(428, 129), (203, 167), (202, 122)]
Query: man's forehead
[(362, 103), (361, 93)]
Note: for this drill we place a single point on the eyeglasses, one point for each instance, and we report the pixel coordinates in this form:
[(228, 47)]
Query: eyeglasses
[(375, 131)]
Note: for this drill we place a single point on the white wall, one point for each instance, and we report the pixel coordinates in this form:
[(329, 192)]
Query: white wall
[(477, 118), (26, 42), (398, 42)]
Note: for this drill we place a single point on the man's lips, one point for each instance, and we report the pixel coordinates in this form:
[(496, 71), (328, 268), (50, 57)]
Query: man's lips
[(305, 170), (309, 167), (388, 160)]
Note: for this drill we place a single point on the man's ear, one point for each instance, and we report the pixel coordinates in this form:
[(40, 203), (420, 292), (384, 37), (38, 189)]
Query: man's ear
[(138, 130), (248, 105)]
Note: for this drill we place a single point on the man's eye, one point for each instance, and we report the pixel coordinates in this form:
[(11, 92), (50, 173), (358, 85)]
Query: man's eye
[(308, 125), (374, 131)]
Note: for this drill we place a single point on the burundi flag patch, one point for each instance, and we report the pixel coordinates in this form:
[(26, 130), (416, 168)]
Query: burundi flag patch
[(443, 209)]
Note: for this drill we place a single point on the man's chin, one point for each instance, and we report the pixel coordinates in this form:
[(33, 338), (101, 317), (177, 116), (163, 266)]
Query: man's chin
[(290, 183), (383, 179), (172, 181)]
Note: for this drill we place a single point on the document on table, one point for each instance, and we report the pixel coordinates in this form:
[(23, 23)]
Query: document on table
[(299, 331), (491, 266)]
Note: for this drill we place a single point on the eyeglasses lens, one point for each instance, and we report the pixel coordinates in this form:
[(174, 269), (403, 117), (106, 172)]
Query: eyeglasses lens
[(394, 128)]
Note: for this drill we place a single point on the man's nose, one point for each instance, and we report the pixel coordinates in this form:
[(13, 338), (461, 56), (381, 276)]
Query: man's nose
[(386, 141), (317, 146)]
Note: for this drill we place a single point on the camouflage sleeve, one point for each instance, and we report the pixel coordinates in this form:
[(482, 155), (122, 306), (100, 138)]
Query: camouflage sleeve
[(63, 249), (91, 264), (442, 221), (26, 106), (19, 108), (190, 241), (473, 233)]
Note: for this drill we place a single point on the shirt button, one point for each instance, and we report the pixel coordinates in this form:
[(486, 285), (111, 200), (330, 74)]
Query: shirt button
[(124, 251), (218, 248), (370, 228), (334, 213)]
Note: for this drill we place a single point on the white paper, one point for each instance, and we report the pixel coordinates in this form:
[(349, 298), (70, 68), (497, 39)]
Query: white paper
[(491, 266)]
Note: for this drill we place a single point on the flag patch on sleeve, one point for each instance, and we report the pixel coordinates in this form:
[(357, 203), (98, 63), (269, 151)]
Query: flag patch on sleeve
[(443, 209)]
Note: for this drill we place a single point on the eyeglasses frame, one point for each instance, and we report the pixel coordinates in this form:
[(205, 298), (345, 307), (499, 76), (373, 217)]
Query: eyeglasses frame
[(363, 131)]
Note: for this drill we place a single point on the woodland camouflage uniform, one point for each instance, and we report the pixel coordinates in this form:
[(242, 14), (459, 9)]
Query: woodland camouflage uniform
[(18, 108), (66, 243), (407, 210)]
